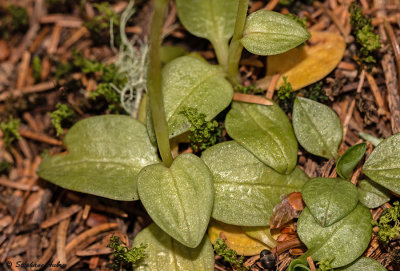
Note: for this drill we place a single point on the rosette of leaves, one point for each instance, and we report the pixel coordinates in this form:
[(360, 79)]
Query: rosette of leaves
[(116, 156)]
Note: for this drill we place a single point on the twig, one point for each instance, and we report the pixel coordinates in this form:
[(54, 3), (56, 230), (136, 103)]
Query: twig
[(311, 263), (60, 216), (18, 185), (61, 240), (272, 4), (246, 98), (39, 137), (272, 86), (282, 247), (378, 97)]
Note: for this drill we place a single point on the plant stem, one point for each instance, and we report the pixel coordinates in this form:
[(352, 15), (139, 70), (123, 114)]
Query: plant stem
[(236, 48), (154, 82), (221, 51)]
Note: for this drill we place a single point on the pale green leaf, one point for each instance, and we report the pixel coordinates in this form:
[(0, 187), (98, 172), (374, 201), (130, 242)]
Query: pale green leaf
[(190, 82), (270, 33), (105, 154), (163, 253), (329, 200), (345, 240), (383, 165), (349, 160), (317, 127), (210, 19), (363, 264), (246, 190), (169, 53), (371, 194), (180, 198), (262, 234), (266, 132)]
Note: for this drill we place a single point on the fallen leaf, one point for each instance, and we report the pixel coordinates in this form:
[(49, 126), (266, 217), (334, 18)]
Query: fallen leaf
[(235, 238), (309, 63)]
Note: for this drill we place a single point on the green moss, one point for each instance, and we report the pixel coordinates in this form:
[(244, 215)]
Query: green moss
[(389, 224), (99, 26), (367, 41), (10, 130), (13, 19), (286, 96), (203, 134), (229, 255), (124, 257), (252, 89), (62, 114)]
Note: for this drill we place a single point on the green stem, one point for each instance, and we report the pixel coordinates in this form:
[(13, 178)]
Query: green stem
[(236, 48), (221, 51), (154, 82)]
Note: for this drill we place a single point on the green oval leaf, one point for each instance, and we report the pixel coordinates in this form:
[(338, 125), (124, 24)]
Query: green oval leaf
[(246, 190), (163, 253), (210, 19), (190, 82), (317, 128), (349, 160), (180, 198), (364, 264), (371, 194), (270, 33), (344, 240), (105, 154), (266, 132), (329, 200), (383, 165)]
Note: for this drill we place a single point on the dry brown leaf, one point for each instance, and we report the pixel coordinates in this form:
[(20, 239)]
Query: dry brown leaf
[(309, 63), (235, 238)]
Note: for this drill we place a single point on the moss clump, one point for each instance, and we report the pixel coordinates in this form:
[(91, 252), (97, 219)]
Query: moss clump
[(13, 19), (367, 41), (124, 257), (10, 130), (59, 116), (99, 26)]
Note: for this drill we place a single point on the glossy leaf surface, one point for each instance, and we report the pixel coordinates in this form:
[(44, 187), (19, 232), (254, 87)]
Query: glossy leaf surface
[(329, 200), (344, 240), (235, 238), (163, 253), (246, 190), (349, 160), (190, 82), (105, 154), (371, 194), (270, 33), (179, 199), (383, 165), (309, 63), (266, 132), (364, 264), (317, 127)]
